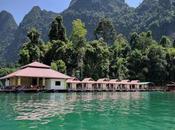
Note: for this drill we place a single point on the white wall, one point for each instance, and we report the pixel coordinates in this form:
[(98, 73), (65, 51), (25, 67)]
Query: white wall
[(50, 84), (7, 82)]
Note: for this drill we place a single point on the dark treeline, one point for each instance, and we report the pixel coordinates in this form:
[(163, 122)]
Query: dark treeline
[(108, 55)]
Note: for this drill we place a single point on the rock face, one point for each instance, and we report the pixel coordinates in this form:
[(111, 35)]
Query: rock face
[(8, 28), (40, 19), (155, 15), (91, 11)]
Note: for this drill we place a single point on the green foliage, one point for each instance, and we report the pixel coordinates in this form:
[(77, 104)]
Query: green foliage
[(79, 31), (105, 30), (141, 58), (78, 38), (157, 63), (165, 41), (119, 69), (97, 60), (119, 52), (171, 64), (58, 31), (31, 51), (136, 65), (120, 47), (154, 15), (59, 65), (54, 66), (141, 41), (6, 71)]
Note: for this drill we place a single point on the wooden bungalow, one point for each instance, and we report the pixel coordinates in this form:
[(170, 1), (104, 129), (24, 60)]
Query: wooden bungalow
[(113, 86), (88, 84), (74, 84), (103, 84), (123, 85), (170, 86), (134, 85)]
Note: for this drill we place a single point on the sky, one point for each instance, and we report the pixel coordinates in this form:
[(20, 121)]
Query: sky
[(19, 8)]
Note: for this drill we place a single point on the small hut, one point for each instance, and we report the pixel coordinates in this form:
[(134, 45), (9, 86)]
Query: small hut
[(103, 84), (73, 84), (170, 86), (88, 84)]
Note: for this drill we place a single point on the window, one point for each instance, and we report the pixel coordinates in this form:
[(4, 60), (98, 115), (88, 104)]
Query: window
[(57, 83)]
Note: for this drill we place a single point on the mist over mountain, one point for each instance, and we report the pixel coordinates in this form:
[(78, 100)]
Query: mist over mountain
[(155, 15)]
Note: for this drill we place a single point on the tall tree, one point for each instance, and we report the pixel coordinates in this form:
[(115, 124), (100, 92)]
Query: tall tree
[(165, 42), (97, 60), (171, 64), (59, 65), (105, 30), (78, 38), (142, 41), (119, 51), (31, 51), (157, 64), (58, 31), (136, 65), (119, 69), (120, 48)]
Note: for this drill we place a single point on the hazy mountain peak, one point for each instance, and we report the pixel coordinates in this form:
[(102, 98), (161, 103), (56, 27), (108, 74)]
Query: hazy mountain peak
[(36, 8), (8, 28), (7, 20), (96, 4), (96, 1)]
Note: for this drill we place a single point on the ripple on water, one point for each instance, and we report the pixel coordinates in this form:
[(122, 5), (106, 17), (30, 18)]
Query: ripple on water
[(106, 111)]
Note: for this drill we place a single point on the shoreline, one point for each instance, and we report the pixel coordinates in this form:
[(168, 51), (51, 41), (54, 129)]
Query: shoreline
[(77, 91)]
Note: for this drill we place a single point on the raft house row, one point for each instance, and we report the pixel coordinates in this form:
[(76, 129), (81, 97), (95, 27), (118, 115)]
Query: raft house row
[(40, 77)]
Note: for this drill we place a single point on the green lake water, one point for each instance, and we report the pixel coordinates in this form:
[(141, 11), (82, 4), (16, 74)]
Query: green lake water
[(87, 111)]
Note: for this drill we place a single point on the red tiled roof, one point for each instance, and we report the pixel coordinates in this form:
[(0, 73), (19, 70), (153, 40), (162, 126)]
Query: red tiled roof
[(39, 70)]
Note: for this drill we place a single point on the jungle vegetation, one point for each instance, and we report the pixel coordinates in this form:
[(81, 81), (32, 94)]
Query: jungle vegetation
[(110, 54)]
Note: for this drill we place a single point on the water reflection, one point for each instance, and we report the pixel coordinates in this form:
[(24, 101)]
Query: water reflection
[(87, 111), (39, 107)]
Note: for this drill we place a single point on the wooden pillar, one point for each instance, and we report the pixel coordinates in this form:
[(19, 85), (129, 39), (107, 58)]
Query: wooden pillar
[(19, 81), (44, 82), (37, 81)]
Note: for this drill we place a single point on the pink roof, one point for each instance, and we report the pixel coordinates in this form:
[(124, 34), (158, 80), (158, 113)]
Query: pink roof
[(88, 80), (36, 65), (113, 81), (124, 81), (135, 81), (103, 80), (73, 80), (40, 71)]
